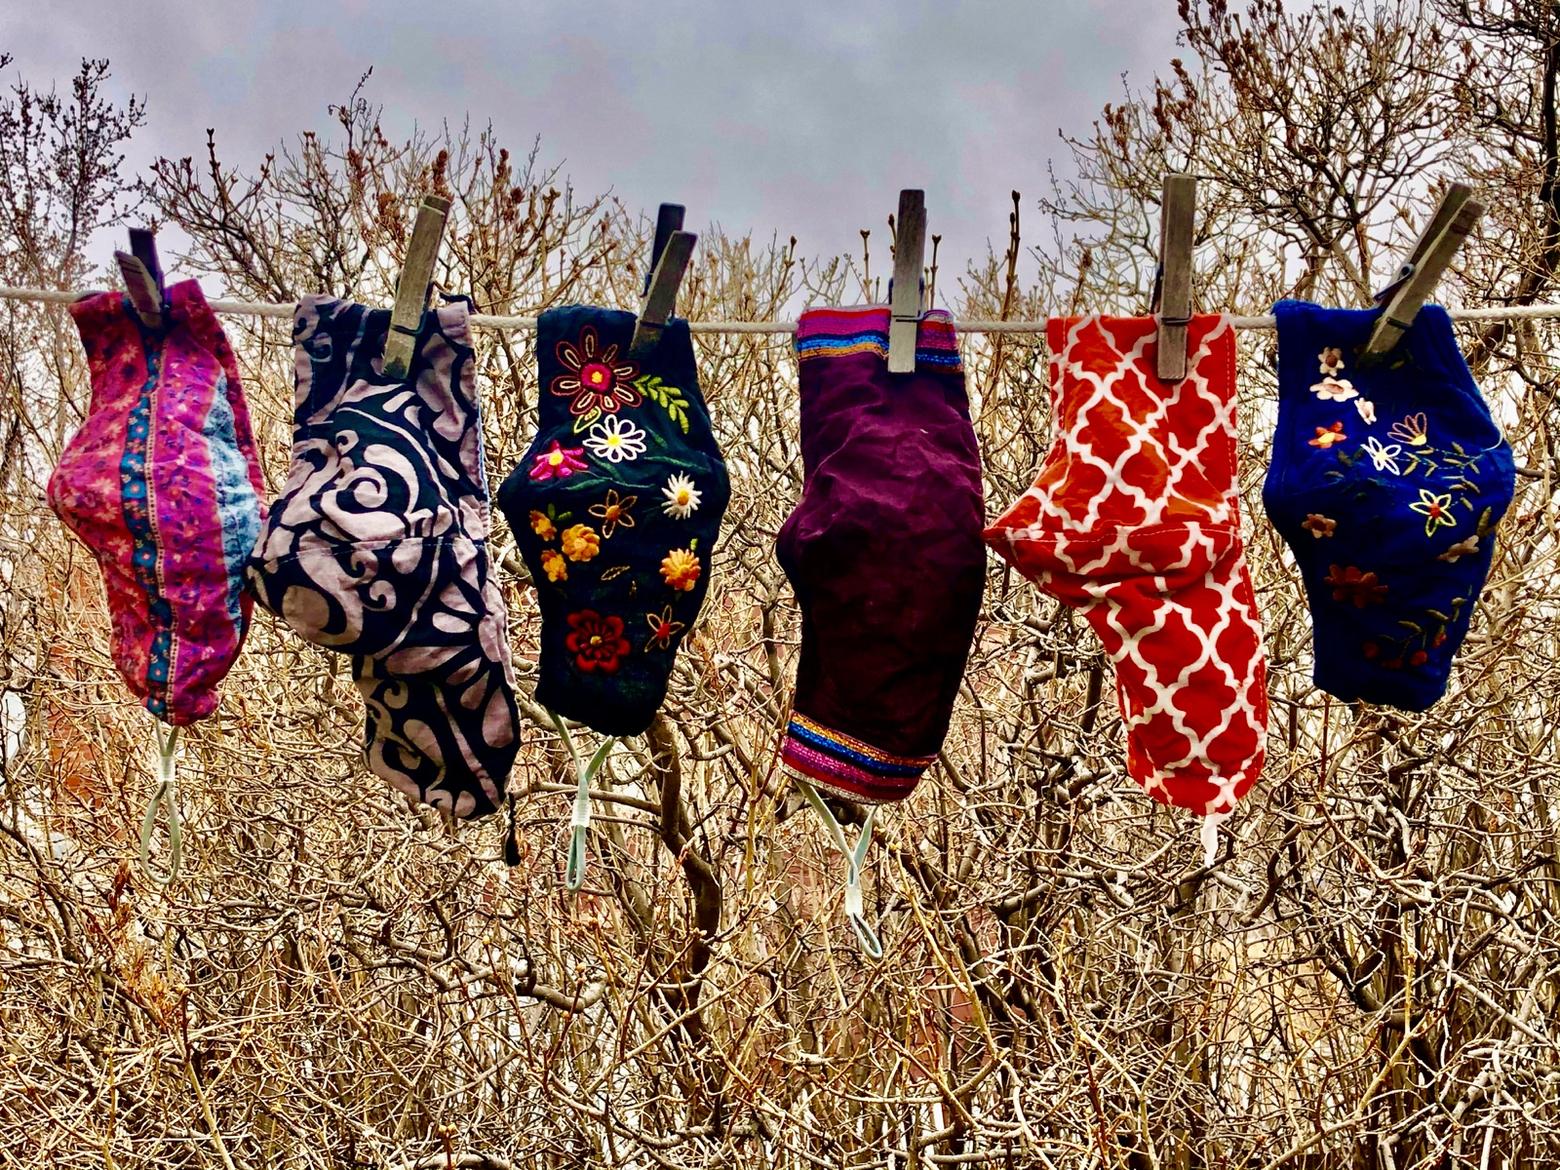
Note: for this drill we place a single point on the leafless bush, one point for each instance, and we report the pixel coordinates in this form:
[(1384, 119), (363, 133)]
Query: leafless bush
[(1366, 977)]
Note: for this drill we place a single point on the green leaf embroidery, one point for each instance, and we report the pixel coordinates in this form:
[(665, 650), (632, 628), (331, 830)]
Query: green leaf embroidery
[(585, 420), (669, 398)]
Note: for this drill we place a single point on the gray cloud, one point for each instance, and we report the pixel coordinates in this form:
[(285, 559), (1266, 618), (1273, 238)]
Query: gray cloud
[(801, 120)]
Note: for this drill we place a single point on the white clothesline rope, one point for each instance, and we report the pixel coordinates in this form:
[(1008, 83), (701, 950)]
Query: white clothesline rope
[(496, 321)]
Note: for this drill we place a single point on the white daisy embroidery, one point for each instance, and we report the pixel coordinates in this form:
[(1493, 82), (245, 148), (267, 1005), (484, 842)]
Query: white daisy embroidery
[(682, 498), (1335, 390), (1385, 458), (1331, 360), (615, 439), (1367, 409)]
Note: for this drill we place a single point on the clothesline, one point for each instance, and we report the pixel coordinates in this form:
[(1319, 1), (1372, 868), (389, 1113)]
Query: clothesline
[(501, 322)]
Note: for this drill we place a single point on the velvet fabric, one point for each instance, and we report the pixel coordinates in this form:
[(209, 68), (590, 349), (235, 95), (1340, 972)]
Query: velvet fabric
[(616, 507), (1387, 483), (883, 551)]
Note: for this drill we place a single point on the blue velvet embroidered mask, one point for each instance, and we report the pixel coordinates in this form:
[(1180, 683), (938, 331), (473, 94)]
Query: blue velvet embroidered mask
[(1387, 484)]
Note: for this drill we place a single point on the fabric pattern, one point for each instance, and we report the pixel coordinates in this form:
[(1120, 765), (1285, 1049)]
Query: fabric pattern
[(883, 551), (1387, 484), (615, 508), (163, 485), (1134, 522), (377, 548)]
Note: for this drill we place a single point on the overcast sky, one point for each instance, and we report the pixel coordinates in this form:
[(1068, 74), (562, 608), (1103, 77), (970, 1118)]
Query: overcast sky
[(795, 118)]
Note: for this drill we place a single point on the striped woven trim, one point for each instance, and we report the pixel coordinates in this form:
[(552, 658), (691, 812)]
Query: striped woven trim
[(827, 333), (847, 766)]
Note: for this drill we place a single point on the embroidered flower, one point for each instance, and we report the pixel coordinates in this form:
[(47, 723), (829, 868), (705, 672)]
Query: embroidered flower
[(1335, 390), (1437, 510), (1318, 525), (1350, 584), (1332, 359), (1367, 410), (596, 380), (596, 641), (1385, 458), (542, 525), (662, 629), (1413, 430), (1418, 658), (614, 512), (616, 439), (1327, 436), (680, 568), (682, 498), (580, 543), (558, 462), (1465, 547), (554, 565)]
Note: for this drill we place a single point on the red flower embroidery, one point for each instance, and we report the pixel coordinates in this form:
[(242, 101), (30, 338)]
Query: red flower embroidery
[(596, 641), (662, 629), (595, 381), (1327, 436), (1349, 584)]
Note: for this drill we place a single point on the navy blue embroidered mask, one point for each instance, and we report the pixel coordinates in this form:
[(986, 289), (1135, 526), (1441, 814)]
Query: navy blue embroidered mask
[(615, 509), (1387, 484)]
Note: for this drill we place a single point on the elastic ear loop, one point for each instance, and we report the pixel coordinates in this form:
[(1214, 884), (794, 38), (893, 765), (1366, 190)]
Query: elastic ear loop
[(1209, 834), (579, 822), (165, 794), (855, 911)]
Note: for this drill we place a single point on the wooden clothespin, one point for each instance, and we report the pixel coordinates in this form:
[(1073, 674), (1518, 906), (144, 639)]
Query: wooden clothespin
[(1173, 287), (143, 276), (904, 298), (669, 257), (411, 290), (1454, 218)]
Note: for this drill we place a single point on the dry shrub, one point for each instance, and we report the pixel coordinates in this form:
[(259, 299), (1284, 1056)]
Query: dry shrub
[(1366, 977)]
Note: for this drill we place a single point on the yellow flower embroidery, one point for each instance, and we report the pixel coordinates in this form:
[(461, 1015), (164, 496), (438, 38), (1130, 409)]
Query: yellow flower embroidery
[(1437, 510), (681, 569), (553, 564), (542, 526), (580, 543)]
